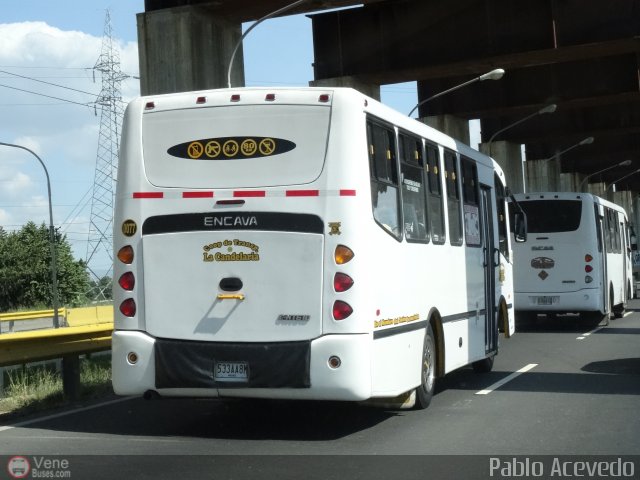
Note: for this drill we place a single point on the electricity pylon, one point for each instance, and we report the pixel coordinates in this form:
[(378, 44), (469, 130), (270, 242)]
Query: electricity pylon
[(109, 101)]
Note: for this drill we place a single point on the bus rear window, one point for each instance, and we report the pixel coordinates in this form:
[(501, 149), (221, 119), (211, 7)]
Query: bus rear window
[(550, 216), (235, 146)]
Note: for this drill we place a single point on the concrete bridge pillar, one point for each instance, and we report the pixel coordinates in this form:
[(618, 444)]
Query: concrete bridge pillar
[(187, 48), (542, 175), (453, 126), (509, 157)]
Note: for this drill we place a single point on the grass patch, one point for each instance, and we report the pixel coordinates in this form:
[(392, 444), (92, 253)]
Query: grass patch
[(32, 389)]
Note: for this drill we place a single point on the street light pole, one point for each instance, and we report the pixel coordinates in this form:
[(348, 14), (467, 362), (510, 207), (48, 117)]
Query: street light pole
[(622, 178), (492, 75), (254, 25), (546, 109), (52, 240), (624, 163), (586, 141)]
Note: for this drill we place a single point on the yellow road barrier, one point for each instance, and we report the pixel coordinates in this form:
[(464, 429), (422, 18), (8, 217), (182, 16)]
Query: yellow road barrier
[(37, 345), (87, 330), (32, 315), (89, 315)]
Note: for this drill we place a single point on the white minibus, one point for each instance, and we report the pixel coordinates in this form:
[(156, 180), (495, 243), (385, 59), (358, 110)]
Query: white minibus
[(576, 259), (302, 243)]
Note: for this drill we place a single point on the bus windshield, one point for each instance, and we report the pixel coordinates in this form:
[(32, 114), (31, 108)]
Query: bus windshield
[(551, 216)]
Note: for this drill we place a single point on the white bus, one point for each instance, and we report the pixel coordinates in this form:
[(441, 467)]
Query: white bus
[(577, 257), (302, 243)]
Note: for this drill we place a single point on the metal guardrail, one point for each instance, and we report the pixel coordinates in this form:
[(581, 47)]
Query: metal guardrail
[(33, 315), (89, 331), (37, 345)]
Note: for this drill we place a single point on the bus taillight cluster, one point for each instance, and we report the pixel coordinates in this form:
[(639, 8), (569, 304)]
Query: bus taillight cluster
[(588, 268), (127, 281), (342, 282)]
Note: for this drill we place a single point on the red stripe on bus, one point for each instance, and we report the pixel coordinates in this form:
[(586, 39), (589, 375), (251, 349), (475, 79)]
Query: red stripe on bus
[(197, 194), (303, 193), (347, 193), (148, 194), (249, 193)]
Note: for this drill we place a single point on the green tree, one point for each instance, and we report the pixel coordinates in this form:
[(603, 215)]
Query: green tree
[(25, 270)]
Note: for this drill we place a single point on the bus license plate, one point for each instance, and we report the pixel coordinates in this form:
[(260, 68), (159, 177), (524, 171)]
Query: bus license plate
[(231, 371), (545, 300)]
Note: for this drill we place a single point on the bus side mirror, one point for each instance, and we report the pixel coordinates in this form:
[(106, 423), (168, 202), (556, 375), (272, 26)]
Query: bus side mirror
[(520, 227)]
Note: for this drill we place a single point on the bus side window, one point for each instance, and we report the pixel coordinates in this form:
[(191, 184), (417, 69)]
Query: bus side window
[(384, 178), (453, 198), (609, 230), (434, 201), (413, 194), (503, 243), (599, 227), (471, 201)]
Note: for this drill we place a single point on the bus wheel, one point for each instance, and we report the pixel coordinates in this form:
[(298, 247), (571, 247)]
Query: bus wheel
[(483, 366), (424, 392)]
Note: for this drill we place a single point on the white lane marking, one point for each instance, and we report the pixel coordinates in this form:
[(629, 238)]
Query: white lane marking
[(62, 414), (585, 335), (506, 379)]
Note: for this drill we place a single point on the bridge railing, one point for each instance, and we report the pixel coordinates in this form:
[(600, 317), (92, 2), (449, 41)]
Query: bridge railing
[(87, 330)]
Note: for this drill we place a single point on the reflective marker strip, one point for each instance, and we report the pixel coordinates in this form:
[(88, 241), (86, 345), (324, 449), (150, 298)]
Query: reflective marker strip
[(197, 194), (507, 379), (250, 193), (148, 194), (303, 193), (245, 194)]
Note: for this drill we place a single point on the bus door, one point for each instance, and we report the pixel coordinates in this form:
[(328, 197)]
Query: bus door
[(603, 247), (626, 252), (491, 261)]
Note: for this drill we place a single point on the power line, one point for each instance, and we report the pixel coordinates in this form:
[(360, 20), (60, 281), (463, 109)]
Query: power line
[(88, 104), (48, 83)]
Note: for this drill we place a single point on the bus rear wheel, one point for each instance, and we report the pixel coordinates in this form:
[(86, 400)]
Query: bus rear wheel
[(424, 393)]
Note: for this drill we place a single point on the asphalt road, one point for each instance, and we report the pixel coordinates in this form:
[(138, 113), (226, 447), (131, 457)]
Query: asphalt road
[(559, 389)]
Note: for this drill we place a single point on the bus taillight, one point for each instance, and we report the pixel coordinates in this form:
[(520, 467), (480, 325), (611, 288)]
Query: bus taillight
[(125, 254), (588, 258), (588, 268), (127, 281), (342, 282), (128, 308), (343, 254), (341, 310)]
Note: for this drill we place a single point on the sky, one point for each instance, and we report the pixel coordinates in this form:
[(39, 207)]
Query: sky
[(46, 45)]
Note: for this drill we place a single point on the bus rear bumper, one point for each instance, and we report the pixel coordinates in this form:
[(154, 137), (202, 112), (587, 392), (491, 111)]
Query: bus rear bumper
[(585, 300), (138, 367)]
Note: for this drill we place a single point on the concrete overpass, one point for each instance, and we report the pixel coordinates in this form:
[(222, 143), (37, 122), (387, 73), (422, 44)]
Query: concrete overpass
[(583, 55)]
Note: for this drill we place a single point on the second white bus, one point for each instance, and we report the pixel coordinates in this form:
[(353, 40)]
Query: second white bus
[(577, 257), (302, 243)]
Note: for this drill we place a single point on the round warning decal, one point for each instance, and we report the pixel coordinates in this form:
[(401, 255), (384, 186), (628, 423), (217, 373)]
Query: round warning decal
[(195, 149), (267, 146), (231, 148), (212, 149), (249, 147)]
